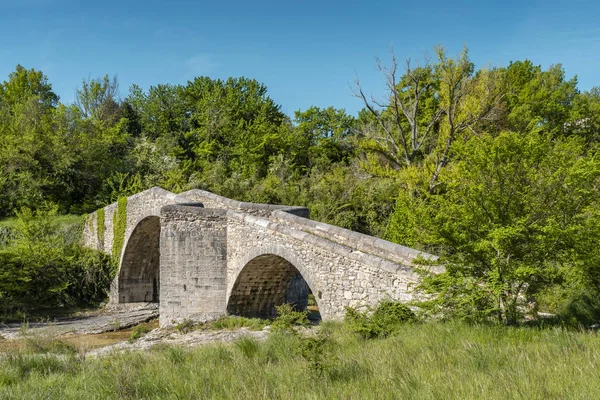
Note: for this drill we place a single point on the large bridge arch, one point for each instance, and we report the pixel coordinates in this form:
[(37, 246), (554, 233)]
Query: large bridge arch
[(138, 278), (265, 278)]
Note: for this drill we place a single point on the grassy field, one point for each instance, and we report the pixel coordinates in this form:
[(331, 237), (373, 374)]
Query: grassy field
[(421, 361)]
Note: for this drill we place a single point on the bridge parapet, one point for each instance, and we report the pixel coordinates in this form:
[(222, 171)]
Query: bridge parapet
[(211, 200), (356, 241)]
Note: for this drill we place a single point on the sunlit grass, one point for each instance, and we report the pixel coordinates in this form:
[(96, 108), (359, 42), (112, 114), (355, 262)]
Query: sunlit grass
[(421, 361), (61, 220)]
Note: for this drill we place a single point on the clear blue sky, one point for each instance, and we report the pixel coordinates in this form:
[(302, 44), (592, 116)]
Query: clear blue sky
[(306, 52)]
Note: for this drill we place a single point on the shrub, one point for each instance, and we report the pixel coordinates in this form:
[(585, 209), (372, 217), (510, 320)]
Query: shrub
[(382, 322), (44, 265), (138, 332), (288, 318), (315, 352), (185, 326)]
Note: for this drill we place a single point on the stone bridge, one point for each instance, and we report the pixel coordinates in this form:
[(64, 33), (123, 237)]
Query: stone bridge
[(201, 256)]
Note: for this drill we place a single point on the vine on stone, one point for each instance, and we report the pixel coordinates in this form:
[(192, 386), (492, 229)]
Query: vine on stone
[(100, 226), (119, 225)]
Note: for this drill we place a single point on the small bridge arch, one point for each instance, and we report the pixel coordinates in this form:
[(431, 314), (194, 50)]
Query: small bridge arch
[(139, 270)]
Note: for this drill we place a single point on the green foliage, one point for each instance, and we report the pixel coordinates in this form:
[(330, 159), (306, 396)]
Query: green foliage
[(44, 267), (119, 226), (382, 322), (288, 318), (185, 326), (138, 332), (582, 309), (100, 225), (316, 350), (508, 223), (233, 322)]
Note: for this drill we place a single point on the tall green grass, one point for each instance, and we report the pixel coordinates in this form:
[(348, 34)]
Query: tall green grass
[(420, 361)]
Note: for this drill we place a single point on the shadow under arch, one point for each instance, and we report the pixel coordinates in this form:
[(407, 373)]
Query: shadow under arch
[(264, 282), (140, 263)]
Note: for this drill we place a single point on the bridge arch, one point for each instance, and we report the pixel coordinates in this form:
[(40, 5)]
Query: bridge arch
[(139, 272), (265, 280)]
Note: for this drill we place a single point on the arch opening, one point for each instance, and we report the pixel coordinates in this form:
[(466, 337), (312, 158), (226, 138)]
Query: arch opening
[(268, 281), (139, 275)]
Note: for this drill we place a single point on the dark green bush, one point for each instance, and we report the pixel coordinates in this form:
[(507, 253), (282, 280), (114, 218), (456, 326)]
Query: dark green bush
[(582, 310), (316, 351), (382, 322), (44, 266)]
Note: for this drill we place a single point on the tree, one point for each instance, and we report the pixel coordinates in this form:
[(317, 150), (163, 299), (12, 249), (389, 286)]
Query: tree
[(514, 209), (27, 151), (23, 85), (98, 100), (324, 136), (535, 97), (428, 109)]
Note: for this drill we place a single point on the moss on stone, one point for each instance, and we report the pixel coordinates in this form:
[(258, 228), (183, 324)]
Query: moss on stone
[(119, 225)]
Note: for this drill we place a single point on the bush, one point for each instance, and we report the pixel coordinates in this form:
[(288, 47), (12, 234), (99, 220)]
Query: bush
[(315, 352), (44, 266), (382, 322), (289, 318), (582, 310), (138, 332), (185, 326)]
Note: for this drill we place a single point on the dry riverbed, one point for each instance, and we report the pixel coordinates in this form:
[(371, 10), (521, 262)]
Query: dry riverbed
[(101, 332)]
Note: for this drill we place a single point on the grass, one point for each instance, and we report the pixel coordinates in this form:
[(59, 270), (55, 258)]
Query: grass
[(229, 322), (421, 361), (61, 220)]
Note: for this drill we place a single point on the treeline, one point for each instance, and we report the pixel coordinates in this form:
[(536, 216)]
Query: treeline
[(496, 170)]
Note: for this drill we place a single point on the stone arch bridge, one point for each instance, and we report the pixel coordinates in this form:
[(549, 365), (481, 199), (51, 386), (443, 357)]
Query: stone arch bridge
[(200, 256)]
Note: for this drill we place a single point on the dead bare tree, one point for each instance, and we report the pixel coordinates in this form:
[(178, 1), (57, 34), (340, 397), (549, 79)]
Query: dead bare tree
[(428, 107)]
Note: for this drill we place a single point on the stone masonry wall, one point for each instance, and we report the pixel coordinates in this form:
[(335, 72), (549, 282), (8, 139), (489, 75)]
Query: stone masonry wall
[(193, 263), (336, 275)]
